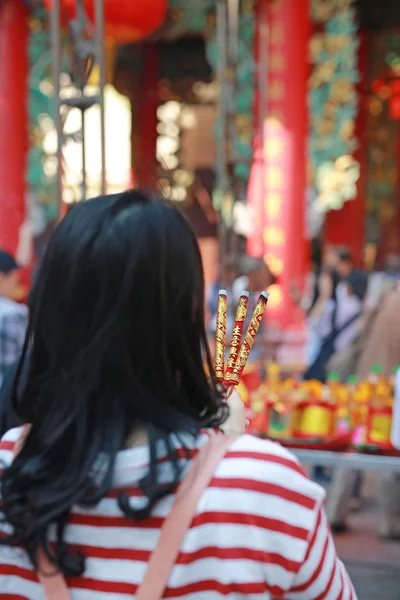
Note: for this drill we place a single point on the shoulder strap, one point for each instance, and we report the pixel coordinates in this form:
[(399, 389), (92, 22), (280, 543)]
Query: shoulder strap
[(333, 317), (172, 533), (178, 521), (347, 324), (52, 581)]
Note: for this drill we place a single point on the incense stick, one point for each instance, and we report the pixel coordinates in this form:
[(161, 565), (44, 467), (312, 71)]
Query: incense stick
[(249, 338), (240, 318), (220, 335)]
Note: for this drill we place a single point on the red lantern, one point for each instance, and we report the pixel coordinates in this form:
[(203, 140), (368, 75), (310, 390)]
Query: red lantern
[(377, 86), (124, 20), (394, 108)]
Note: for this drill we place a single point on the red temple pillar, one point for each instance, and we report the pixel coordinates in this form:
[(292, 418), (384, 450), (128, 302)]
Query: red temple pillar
[(283, 198), (13, 119), (145, 138), (346, 227)]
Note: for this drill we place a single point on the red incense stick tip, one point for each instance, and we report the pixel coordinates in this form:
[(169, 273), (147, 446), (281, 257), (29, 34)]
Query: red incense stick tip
[(236, 339)]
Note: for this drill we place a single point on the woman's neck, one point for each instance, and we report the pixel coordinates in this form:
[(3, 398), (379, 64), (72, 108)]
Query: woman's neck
[(138, 438)]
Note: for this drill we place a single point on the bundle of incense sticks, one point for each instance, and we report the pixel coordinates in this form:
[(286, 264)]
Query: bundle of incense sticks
[(239, 351)]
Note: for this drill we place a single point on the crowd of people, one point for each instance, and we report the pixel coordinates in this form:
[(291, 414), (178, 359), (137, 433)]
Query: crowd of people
[(350, 330), (339, 314), (13, 327), (335, 310), (350, 333)]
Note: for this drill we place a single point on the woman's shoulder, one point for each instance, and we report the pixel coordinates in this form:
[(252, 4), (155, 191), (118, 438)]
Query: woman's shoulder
[(260, 492), (257, 450), (7, 445), (268, 467)]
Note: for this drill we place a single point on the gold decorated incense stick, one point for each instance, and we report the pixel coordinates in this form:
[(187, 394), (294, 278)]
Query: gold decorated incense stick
[(248, 341), (240, 318), (220, 337)]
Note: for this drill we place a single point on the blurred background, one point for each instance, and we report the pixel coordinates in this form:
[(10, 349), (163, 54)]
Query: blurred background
[(274, 124)]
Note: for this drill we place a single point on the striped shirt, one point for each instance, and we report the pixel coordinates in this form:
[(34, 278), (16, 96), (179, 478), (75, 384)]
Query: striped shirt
[(259, 532)]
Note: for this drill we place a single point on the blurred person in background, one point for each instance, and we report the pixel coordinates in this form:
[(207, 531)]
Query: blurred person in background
[(247, 273), (344, 263), (13, 316), (347, 361), (322, 283), (336, 322), (381, 346), (335, 318), (345, 268), (226, 280), (341, 317), (254, 276), (198, 208), (8, 416)]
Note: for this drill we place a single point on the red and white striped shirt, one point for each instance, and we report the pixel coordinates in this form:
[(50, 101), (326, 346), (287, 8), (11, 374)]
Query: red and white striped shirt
[(259, 532)]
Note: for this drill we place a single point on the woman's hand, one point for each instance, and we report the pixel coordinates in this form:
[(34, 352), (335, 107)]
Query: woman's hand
[(236, 422)]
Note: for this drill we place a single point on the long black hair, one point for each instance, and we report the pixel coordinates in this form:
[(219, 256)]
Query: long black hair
[(116, 341)]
